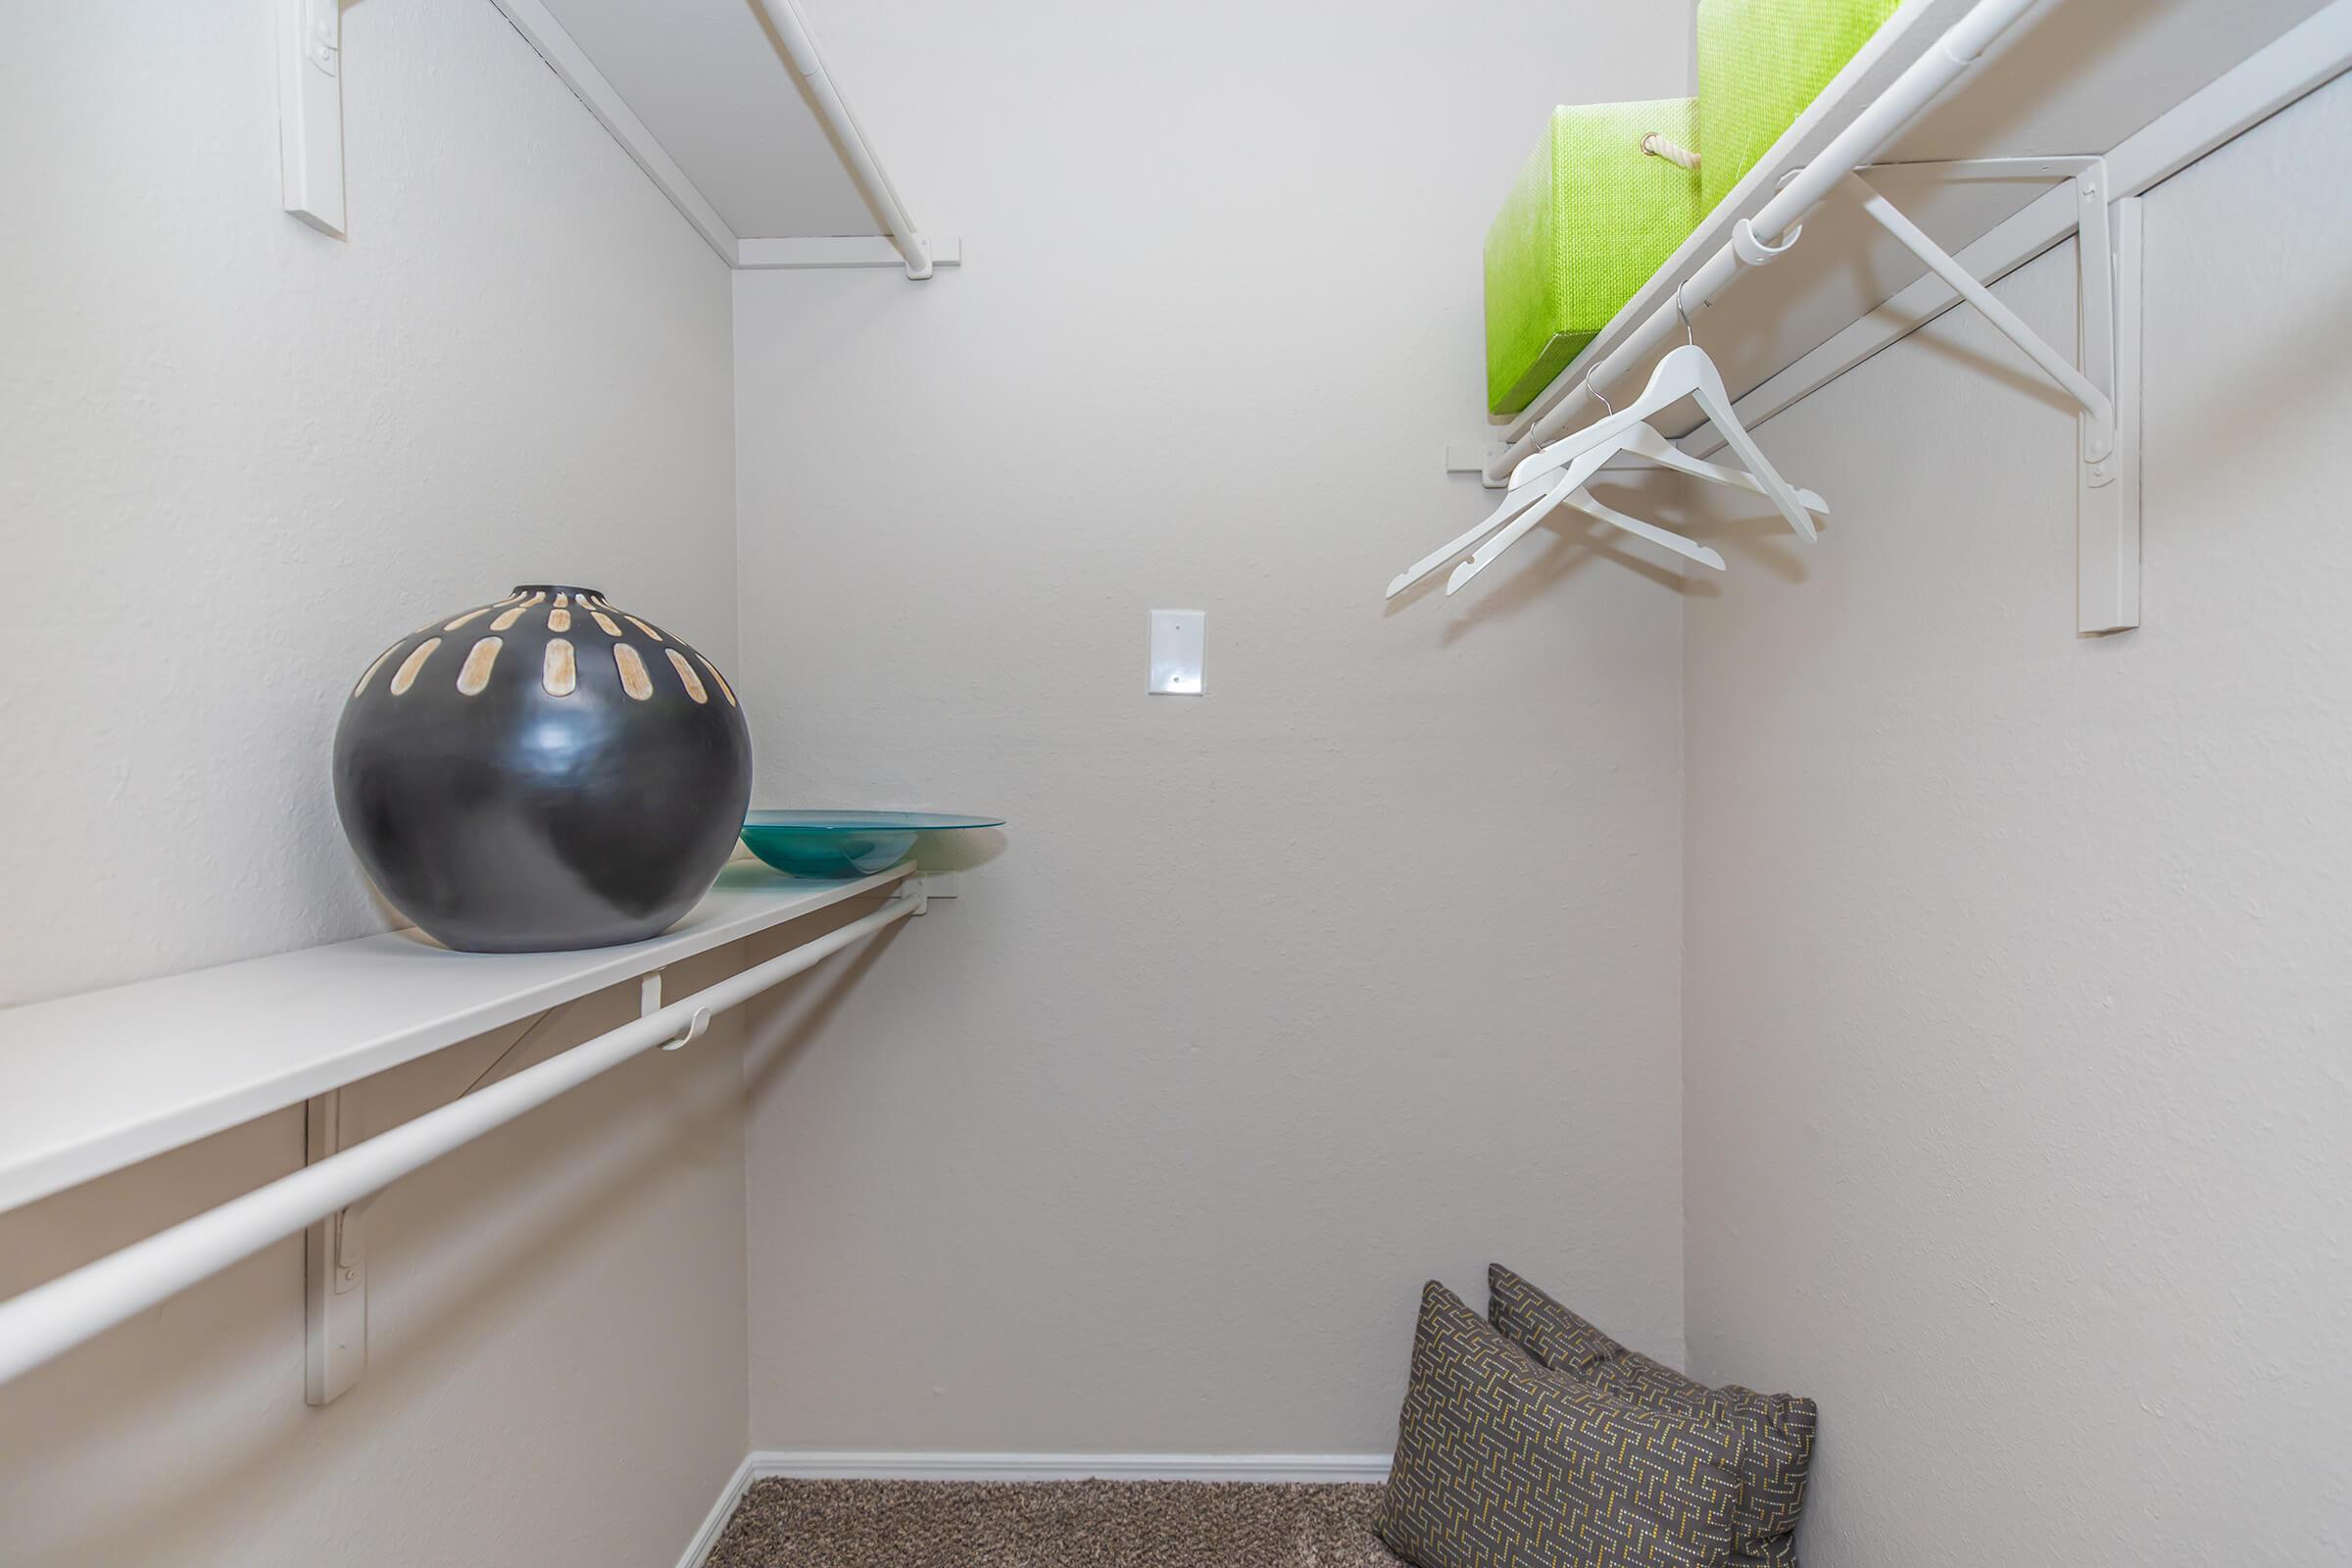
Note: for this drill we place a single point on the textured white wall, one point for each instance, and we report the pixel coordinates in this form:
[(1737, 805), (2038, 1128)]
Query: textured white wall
[(2019, 1126), (1273, 1004), (236, 458)]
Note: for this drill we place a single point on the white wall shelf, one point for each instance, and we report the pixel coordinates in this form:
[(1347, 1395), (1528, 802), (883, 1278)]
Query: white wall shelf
[(94, 1083)]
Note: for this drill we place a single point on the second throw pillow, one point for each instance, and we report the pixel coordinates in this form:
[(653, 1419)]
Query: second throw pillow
[(1777, 1428)]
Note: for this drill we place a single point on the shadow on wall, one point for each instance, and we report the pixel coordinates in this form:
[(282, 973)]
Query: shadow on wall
[(964, 850), (782, 1023), (1567, 547)]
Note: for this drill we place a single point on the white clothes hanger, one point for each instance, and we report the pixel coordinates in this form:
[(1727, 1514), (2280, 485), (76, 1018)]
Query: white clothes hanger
[(1568, 489), (1519, 499), (1532, 503), (1582, 501), (1684, 373), (1645, 441), (1576, 495), (1543, 494), (1577, 473)]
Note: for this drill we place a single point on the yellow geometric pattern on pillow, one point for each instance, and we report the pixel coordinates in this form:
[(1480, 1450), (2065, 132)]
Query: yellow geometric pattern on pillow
[(1543, 1327), (1503, 1464), (1776, 1443)]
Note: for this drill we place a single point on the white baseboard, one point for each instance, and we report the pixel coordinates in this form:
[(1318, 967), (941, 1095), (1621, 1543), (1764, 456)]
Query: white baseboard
[(1259, 1467), (716, 1521)]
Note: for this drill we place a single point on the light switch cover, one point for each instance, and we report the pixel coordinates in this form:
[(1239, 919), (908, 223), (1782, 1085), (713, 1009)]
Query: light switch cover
[(1178, 639)]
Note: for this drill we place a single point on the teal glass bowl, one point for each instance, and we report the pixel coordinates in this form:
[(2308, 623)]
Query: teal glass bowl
[(838, 844)]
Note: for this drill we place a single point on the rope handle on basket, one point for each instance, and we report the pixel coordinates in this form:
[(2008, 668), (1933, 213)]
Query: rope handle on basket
[(1658, 145)]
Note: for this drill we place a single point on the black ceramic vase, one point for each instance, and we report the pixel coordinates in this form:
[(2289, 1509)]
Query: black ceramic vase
[(544, 772)]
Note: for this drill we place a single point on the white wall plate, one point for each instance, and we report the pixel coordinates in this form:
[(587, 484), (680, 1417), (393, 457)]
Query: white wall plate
[(1179, 638)]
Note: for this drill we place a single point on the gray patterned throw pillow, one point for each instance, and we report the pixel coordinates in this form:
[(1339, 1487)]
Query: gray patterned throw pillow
[(1502, 1463), (1775, 1430)]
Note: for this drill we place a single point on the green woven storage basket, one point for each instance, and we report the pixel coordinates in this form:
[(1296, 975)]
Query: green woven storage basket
[(1760, 63), (1590, 218)]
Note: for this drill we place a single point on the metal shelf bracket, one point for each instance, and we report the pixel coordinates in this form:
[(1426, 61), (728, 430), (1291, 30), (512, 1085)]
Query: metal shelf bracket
[(334, 1257), (334, 1250), (310, 112), (2107, 498)]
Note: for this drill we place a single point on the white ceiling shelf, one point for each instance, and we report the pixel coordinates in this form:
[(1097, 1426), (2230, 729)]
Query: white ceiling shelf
[(727, 106), (97, 1081), (2150, 87)]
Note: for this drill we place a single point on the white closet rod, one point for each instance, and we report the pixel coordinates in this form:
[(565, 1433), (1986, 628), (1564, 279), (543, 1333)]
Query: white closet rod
[(50, 1319), (801, 49), (1759, 240)]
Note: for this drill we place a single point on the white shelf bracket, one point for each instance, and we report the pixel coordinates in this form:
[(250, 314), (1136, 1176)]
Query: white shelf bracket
[(310, 111), (1480, 458), (334, 1257), (2107, 495), (335, 1249), (2106, 386)]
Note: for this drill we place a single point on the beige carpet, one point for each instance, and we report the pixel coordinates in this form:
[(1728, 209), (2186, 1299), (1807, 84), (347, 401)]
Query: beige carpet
[(1060, 1524)]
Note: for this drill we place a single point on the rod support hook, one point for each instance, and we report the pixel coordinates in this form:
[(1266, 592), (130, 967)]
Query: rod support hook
[(1753, 252)]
